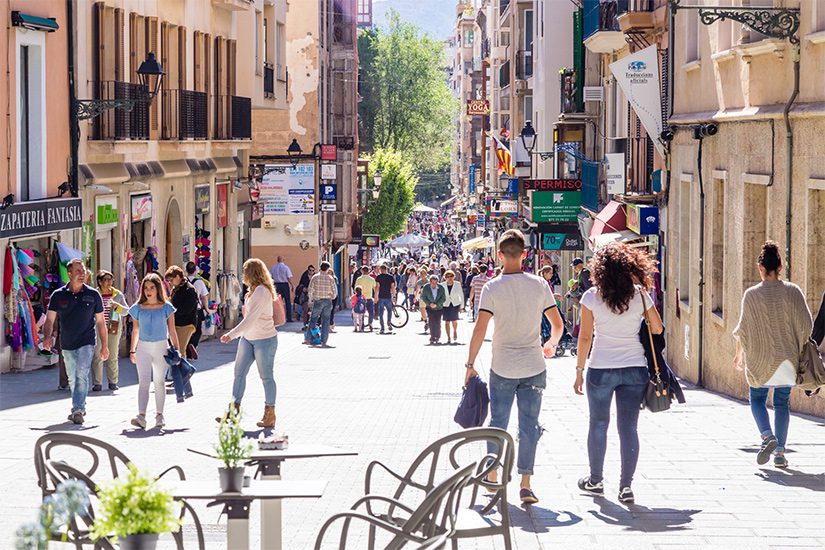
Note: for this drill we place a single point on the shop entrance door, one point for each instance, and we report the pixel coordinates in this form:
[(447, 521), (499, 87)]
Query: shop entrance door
[(174, 236)]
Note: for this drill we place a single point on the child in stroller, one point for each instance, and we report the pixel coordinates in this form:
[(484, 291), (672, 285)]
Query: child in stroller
[(567, 341)]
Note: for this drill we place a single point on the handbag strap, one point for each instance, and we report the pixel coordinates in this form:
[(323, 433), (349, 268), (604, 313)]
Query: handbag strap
[(649, 333)]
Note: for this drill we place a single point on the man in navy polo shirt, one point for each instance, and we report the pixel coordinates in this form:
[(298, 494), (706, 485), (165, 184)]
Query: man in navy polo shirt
[(80, 309)]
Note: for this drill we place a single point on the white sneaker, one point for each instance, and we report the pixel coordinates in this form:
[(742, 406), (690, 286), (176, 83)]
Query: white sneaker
[(159, 422), (139, 421)]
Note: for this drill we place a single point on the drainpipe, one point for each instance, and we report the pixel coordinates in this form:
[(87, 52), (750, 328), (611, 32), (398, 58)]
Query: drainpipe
[(700, 380), (74, 123), (789, 159)]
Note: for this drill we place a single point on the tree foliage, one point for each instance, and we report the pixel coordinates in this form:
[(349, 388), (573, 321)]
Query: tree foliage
[(387, 215), (406, 103)]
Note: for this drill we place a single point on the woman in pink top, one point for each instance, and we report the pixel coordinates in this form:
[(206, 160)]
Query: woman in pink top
[(259, 338)]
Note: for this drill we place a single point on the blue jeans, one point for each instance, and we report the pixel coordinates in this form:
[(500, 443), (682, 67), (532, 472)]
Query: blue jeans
[(629, 385), (528, 392), (382, 304), (78, 369), (781, 413), (263, 353), (321, 310), (182, 383)]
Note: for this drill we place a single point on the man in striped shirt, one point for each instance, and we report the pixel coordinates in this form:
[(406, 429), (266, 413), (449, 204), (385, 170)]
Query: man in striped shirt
[(323, 290)]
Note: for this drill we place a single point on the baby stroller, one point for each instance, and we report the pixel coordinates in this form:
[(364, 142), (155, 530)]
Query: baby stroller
[(566, 342)]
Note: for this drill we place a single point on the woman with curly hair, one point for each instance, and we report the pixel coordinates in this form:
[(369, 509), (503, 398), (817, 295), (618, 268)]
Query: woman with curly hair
[(611, 315)]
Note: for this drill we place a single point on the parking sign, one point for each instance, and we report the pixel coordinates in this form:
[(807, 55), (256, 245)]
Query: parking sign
[(329, 191)]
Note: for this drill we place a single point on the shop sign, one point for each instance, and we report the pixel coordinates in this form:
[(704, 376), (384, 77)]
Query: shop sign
[(106, 214), (638, 77), (615, 169), (223, 199), (472, 181), (555, 206), (482, 219), (562, 241), (329, 192), (329, 152), (512, 186), (202, 199), (642, 219), (553, 185), (141, 207), (329, 171), (503, 206), (288, 190), (478, 107), (327, 207), (33, 217), (370, 241)]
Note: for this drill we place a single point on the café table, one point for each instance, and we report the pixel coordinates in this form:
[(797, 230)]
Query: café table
[(269, 467), (237, 505)]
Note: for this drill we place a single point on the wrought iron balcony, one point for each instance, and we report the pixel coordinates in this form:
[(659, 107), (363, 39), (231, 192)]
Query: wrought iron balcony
[(269, 80), (602, 33), (233, 117), (504, 75), (569, 92), (524, 64), (119, 124), (184, 115)]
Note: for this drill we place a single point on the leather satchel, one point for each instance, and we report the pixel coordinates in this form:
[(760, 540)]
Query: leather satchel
[(657, 396), (810, 375), (278, 311)]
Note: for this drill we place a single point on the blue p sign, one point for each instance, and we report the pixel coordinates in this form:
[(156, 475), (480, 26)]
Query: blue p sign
[(329, 191)]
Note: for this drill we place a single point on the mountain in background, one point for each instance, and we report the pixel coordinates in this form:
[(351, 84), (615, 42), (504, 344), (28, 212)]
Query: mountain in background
[(433, 17)]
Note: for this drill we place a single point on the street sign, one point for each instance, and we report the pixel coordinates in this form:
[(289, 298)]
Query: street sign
[(555, 206), (329, 191), (329, 171), (329, 152), (327, 207), (642, 219), (562, 241), (615, 173), (552, 185)]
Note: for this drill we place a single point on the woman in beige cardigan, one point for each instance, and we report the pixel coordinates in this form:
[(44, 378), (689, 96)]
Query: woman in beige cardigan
[(773, 326)]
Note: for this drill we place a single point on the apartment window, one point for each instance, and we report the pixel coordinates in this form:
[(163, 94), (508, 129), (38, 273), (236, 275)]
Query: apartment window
[(718, 247), (755, 231), (685, 257), (818, 16), (31, 122), (816, 247), (266, 40), (528, 30), (468, 38), (259, 21), (280, 51), (691, 33), (528, 107)]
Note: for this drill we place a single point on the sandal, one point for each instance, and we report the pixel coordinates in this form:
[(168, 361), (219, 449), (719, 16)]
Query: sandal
[(527, 496)]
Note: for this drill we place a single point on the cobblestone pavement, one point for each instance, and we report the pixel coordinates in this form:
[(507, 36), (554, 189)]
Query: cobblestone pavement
[(388, 396)]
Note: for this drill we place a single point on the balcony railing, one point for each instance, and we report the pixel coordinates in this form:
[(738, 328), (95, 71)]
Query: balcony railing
[(116, 124), (184, 115), (569, 92), (524, 64), (601, 15), (504, 75), (233, 117), (640, 5), (269, 80)]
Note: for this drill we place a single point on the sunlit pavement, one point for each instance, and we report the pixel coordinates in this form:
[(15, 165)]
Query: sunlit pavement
[(388, 396)]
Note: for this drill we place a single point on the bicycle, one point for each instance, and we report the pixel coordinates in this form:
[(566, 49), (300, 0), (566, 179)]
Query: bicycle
[(400, 316)]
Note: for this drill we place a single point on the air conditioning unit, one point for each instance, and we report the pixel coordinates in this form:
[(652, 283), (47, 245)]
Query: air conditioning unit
[(594, 93)]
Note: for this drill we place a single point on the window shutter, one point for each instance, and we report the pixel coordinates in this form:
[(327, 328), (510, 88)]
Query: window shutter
[(164, 50), (151, 43), (197, 50), (182, 58), (99, 44), (134, 47), (232, 51), (118, 75)]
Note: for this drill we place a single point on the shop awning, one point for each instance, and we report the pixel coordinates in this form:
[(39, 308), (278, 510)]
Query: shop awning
[(612, 218), (479, 243), (423, 208), (103, 173), (175, 168), (449, 201), (225, 165), (33, 22)]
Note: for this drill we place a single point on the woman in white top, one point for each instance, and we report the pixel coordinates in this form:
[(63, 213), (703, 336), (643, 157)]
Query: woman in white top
[(259, 338), (611, 315), (454, 303)]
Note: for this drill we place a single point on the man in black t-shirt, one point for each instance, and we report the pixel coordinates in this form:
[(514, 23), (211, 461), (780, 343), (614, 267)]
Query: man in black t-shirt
[(79, 308), (385, 289)]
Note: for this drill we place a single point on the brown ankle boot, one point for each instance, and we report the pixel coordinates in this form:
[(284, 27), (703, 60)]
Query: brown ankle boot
[(268, 421), (220, 419)]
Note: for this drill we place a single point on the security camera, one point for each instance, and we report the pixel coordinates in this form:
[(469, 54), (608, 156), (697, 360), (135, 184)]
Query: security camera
[(666, 135), (705, 130)]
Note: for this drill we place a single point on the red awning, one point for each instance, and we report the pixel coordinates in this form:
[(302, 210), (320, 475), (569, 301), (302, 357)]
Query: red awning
[(611, 219)]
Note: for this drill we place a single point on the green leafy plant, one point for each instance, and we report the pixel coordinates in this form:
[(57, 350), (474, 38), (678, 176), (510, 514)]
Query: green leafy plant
[(58, 510), (232, 448), (134, 505)]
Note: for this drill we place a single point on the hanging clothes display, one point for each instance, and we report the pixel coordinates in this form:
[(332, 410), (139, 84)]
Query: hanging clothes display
[(20, 278), (228, 291), (131, 282), (203, 252)]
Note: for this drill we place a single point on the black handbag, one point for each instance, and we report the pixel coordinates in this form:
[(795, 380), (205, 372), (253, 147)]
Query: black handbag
[(657, 396)]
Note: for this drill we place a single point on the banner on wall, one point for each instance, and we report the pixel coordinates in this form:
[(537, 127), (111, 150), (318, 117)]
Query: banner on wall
[(638, 77), (614, 173), (202, 199), (223, 197), (141, 207), (288, 190), (106, 214)]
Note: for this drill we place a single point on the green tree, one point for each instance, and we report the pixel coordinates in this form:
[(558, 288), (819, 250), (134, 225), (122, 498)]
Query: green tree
[(406, 104), (387, 215)]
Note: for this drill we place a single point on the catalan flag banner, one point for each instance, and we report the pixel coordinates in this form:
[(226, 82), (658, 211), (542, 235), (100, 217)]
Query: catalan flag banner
[(505, 159)]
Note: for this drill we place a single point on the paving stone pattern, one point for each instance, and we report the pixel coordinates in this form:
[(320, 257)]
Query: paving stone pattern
[(388, 396)]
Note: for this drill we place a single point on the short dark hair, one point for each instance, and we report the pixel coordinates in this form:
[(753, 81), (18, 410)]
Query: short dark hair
[(324, 266), (512, 243), (102, 274), (174, 271), (191, 268), (770, 258)]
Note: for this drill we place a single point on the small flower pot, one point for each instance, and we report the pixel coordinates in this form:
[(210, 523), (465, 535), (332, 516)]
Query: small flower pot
[(144, 541), (231, 479)]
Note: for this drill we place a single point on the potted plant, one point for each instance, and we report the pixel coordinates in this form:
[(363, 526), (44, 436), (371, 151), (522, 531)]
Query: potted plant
[(233, 449), (135, 510), (56, 516)]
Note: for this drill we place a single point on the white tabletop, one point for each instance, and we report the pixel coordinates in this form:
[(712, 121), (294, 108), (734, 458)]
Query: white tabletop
[(297, 450), (257, 490)]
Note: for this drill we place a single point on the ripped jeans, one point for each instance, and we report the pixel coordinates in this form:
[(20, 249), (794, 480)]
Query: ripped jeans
[(527, 392)]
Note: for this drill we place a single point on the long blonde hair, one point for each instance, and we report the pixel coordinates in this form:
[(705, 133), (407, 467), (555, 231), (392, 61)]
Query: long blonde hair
[(255, 274)]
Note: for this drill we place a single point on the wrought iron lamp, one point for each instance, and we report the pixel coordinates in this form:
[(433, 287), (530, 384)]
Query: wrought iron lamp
[(150, 73), (528, 137), (376, 181), (294, 151)]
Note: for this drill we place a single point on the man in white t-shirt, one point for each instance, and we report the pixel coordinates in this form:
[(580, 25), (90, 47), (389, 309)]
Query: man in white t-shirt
[(516, 300)]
